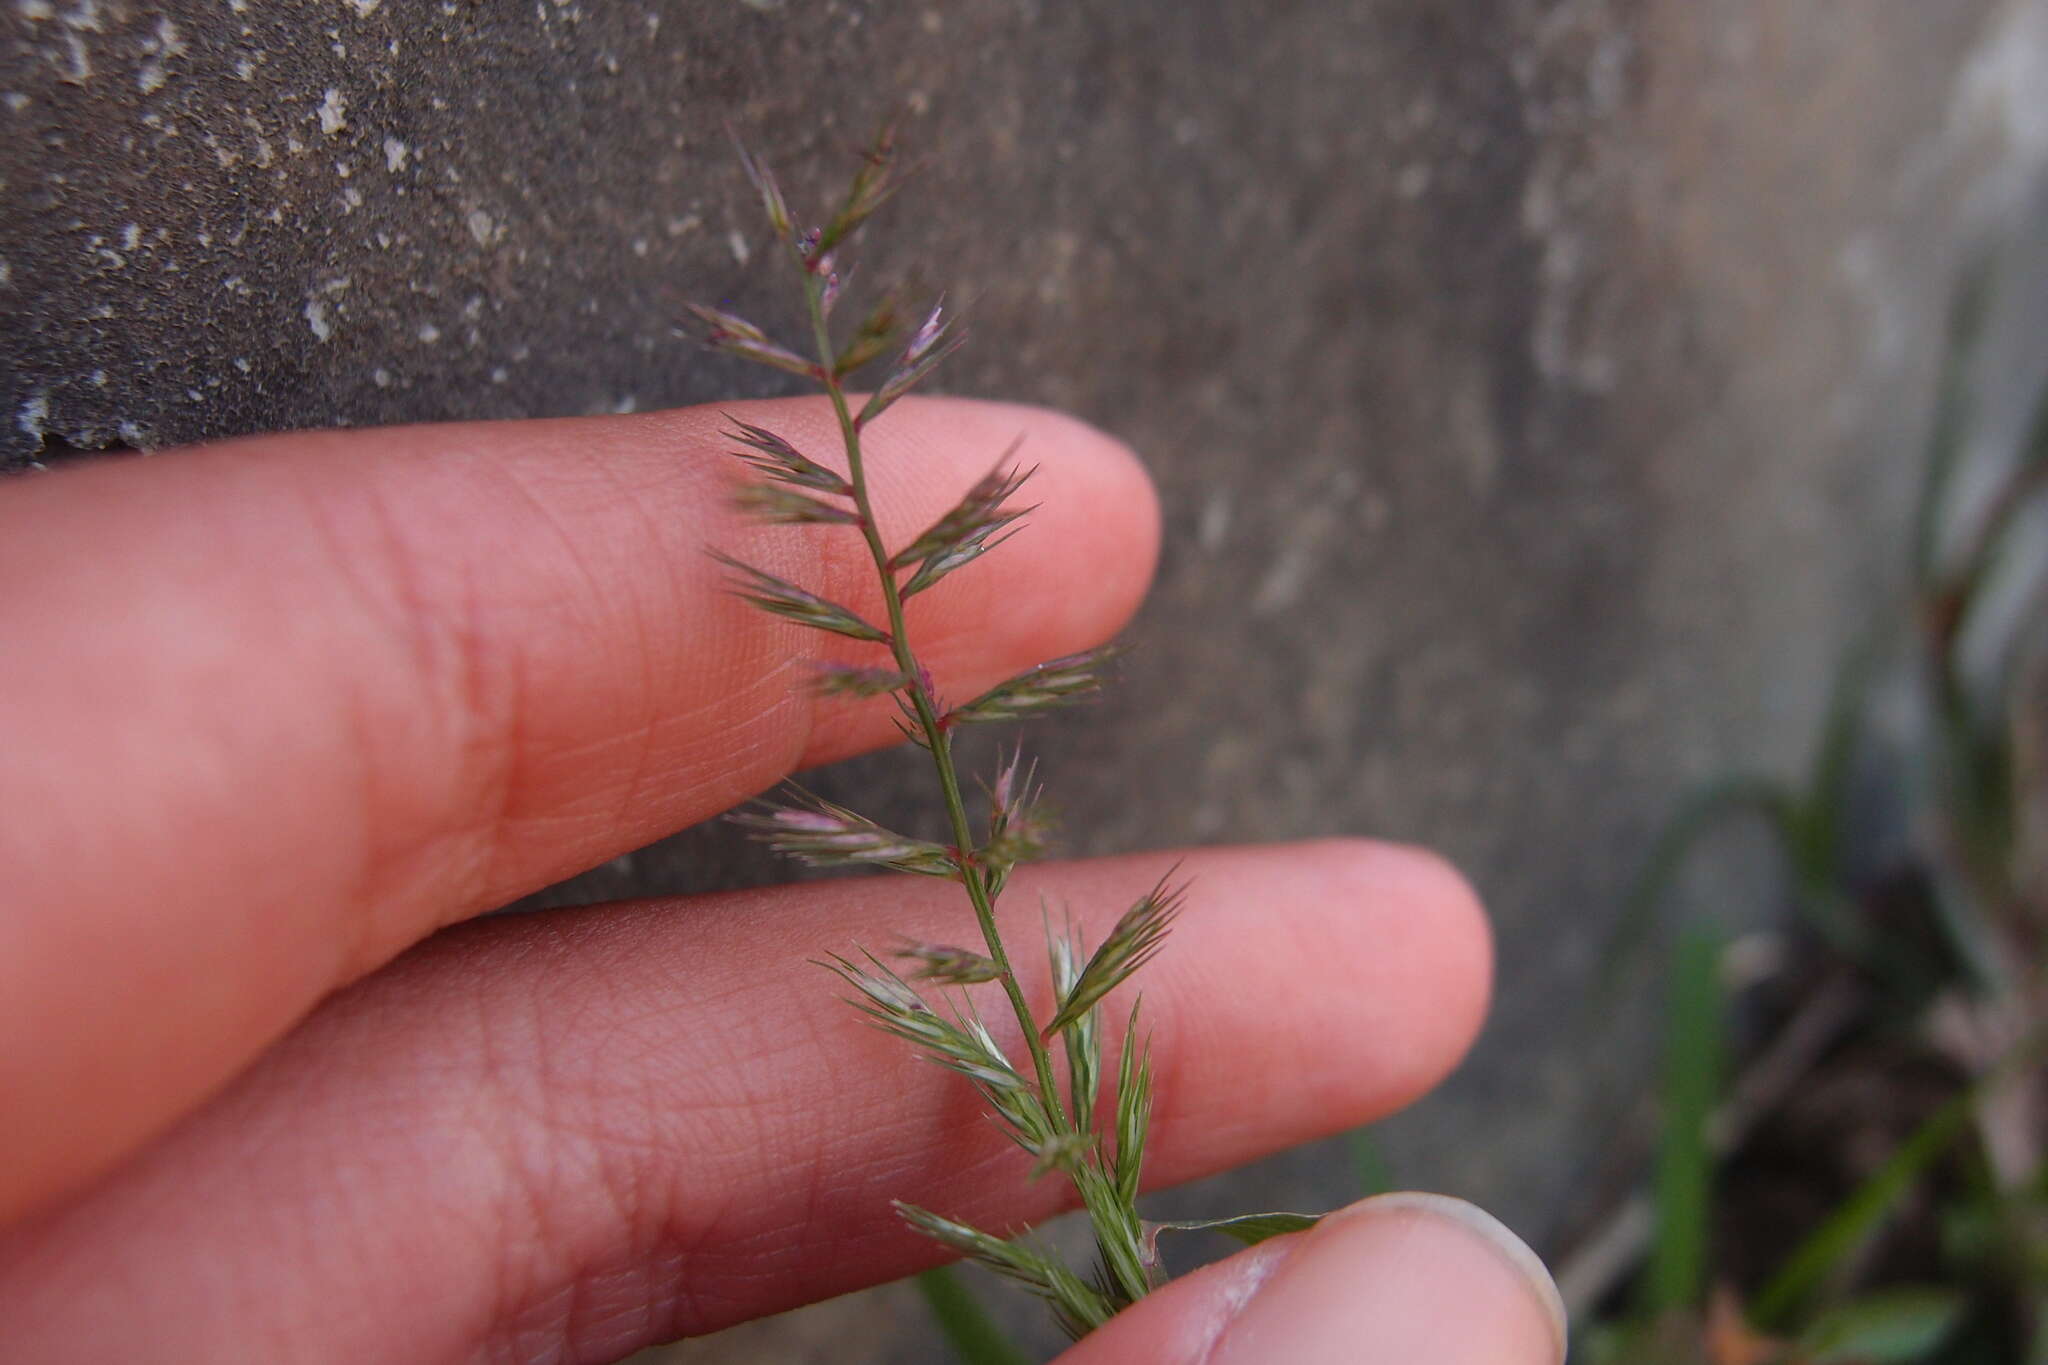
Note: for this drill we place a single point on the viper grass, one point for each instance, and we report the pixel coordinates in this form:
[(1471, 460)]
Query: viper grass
[(1059, 1100)]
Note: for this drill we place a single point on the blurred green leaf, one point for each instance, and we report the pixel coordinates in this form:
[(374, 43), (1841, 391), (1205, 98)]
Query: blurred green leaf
[(1685, 1163), (1856, 1220), (1951, 416), (1892, 1328), (1674, 1339), (1820, 821), (974, 1336), (1698, 814), (1369, 1164)]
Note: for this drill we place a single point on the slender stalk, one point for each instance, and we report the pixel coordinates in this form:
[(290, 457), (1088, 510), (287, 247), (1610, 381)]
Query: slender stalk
[(937, 741), (1055, 1123)]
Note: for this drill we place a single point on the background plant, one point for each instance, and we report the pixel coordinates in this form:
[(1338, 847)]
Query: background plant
[(1921, 955)]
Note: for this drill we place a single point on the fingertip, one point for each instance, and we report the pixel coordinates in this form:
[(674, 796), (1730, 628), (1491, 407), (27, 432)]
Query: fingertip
[(1117, 518), (1419, 949), (1093, 538), (1445, 939), (1398, 1278), (1525, 1268), (1104, 461), (1110, 474)]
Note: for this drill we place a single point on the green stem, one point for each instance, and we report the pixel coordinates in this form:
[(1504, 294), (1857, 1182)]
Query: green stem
[(937, 741)]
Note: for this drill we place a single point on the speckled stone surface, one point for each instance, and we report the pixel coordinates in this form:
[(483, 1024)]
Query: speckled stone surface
[(1534, 388)]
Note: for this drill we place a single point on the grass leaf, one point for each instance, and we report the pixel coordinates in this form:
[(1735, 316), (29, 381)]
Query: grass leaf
[(1685, 1160), (1895, 1327), (975, 1337), (1249, 1228), (1368, 1163), (1845, 1231), (1702, 811)]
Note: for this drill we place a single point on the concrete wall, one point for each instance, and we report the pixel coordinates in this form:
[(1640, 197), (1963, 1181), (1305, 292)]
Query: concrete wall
[(1535, 388)]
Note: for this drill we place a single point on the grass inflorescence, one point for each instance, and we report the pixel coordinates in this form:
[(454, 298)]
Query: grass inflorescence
[(1060, 1101)]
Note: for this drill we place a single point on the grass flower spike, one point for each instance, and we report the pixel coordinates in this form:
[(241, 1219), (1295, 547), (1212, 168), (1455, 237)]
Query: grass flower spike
[(1050, 1097)]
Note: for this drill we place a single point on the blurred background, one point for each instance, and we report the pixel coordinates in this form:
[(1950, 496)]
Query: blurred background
[(1599, 438)]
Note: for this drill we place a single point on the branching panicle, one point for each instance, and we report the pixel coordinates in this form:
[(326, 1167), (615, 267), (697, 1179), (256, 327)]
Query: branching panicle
[(1078, 1306), (961, 535), (871, 340), (910, 720), (764, 185), (949, 966), (889, 999), (776, 505), (779, 598), (1138, 935), (1123, 1275), (736, 336), (928, 348), (822, 834), (873, 185), (1056, 1118), (1019, 825), (1083, 1039), (925, 340), (1046, 687), (844, 680), (963, 1045), (778, 459), (1133, 1108), (1066, 1151)]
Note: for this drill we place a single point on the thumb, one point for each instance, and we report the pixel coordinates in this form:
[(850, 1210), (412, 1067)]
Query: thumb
[(1400, 1278)]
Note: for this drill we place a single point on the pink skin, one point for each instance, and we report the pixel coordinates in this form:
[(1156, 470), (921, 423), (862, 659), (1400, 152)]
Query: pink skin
[(1395, 1280), (376, 682)]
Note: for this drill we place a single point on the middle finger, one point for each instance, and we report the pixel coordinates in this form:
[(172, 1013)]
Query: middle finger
[(577, 1133)]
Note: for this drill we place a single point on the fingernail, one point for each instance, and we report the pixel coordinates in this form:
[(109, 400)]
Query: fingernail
[(1400, 1278)]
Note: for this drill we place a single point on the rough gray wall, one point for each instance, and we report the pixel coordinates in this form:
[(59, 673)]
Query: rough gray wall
[(1534, 387)]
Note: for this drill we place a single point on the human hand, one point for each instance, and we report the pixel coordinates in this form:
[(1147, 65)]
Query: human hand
[(277, 715)]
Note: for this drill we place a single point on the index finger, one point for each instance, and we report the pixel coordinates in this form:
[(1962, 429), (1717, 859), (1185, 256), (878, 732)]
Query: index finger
[(277, 709)]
